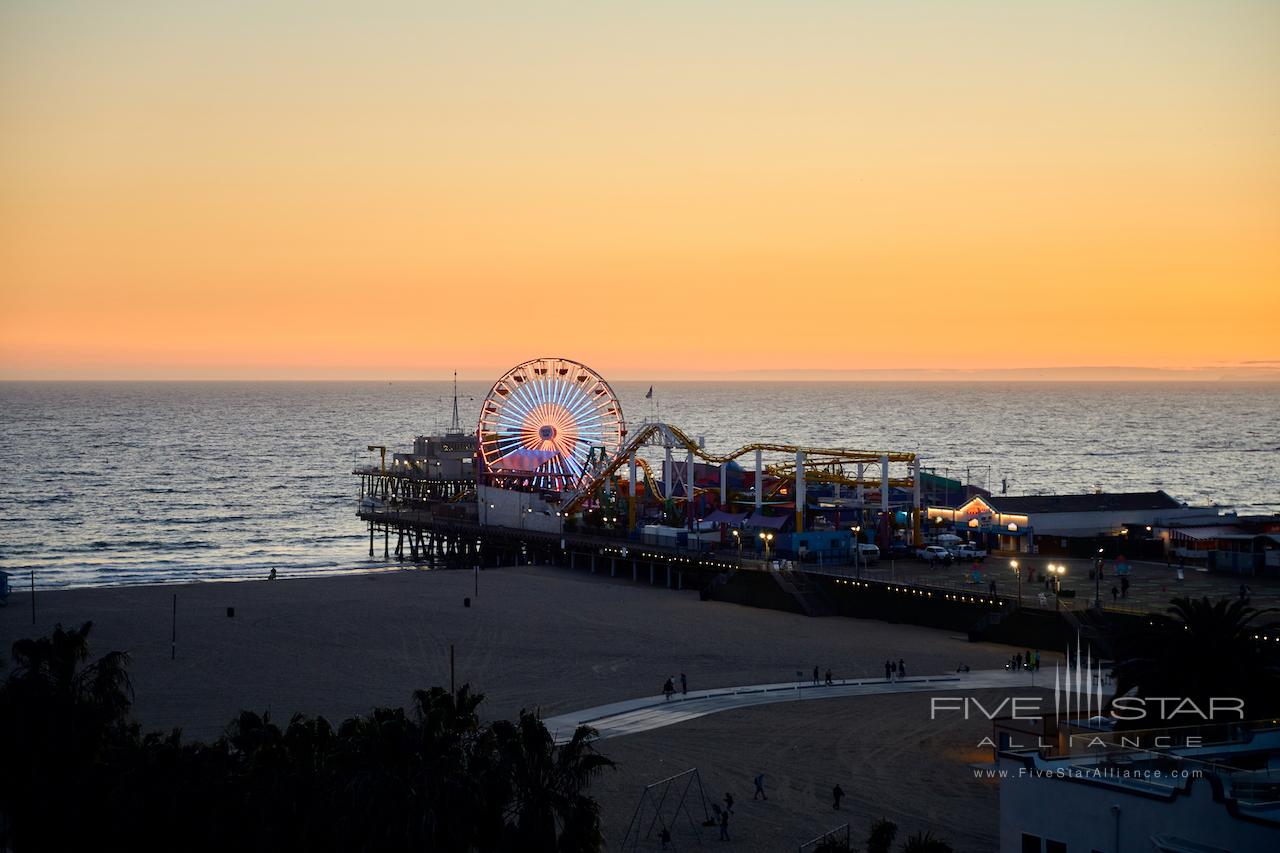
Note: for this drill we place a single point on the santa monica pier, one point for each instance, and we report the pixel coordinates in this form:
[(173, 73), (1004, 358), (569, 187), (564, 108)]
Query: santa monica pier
[(553, 473)]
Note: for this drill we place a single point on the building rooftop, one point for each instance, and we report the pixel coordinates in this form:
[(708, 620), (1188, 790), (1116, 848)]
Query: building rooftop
[(1243, 768), (1094, 502)]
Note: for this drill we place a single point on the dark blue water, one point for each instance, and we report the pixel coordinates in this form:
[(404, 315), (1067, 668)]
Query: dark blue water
[(108, 483)]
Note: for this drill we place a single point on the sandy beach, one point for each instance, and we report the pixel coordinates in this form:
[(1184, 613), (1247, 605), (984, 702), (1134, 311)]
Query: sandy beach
[(554, 640)]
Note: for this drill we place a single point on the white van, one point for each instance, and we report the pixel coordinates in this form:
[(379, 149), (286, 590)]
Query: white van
[(868, 553)]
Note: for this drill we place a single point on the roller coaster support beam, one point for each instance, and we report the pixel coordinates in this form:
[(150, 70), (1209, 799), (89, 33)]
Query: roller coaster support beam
[(759, 479), (916, 508), (884, 501), (724, 483), (800, 491), (884, 484), (668, 471), (688, 485), (631, 486)]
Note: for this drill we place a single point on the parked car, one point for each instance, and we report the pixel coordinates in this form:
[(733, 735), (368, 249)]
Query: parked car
[(901, 551), (934, 554), (868, 553), (970, 552)]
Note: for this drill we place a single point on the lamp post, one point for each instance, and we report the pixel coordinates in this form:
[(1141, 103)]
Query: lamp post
[(1097, 580), (738, 538), (766, 538), (1013, 564), (857, 550), (1057, 572)]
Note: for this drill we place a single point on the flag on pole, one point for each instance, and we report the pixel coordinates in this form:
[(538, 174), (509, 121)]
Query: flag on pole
[(649, 395)]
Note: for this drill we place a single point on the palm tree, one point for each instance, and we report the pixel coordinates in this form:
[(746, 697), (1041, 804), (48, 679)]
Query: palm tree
[(1204, 650), (457, 778), (883, 832), (549, 810), (59, 717), (53, 667), (925, 842)]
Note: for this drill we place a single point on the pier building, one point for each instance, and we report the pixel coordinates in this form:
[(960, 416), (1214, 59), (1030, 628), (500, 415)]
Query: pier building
[(1023, 523)]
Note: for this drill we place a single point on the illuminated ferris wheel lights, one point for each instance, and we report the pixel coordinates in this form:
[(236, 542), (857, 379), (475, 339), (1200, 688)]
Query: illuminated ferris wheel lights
[(542, 420)]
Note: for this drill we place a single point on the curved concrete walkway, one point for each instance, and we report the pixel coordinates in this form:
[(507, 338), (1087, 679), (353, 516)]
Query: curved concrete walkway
[(654, 712)]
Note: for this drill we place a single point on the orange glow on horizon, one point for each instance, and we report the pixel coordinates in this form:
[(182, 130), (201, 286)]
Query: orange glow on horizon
[(188, 191)]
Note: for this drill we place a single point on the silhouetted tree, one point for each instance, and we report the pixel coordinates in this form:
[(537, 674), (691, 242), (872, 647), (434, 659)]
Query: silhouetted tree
[(883, 832), (78, 774), (61, 719), (925, 842), (1204, 650), (548, 810)]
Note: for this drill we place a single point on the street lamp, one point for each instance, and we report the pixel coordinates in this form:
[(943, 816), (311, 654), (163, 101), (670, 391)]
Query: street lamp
[(766, 538), (857, 549), (738, 538), (1057, 572), (1013, 564), (1097, 580)]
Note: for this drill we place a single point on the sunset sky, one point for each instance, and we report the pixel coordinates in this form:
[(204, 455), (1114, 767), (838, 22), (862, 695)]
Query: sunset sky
[(399, 189)]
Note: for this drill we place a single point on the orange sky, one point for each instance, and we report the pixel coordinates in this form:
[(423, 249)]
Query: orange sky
[(401, 189)]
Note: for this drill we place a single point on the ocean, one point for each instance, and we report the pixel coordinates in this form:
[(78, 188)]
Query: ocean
[(122, 483)]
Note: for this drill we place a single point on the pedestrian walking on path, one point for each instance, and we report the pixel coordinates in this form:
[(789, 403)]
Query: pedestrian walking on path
[(902, 669), (815, 675), (684, 685), (667, 689), (759, 780), (888, 670), (836, 793), (828, 676)]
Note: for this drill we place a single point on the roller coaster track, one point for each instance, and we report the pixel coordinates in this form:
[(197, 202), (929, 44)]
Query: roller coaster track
[(666, 435)]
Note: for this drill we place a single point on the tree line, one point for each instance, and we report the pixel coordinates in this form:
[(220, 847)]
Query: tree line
[(78, 773)]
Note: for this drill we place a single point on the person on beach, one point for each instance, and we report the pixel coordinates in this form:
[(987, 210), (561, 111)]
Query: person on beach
[(1115, 593), (1017, 662), (902, 669), (728, 802), (815, 675), (272, 576), (888, 671), (759, 780), (667, 689), (684, 685), (724, 825), (1124, 587), (828, 676), (836, 793)]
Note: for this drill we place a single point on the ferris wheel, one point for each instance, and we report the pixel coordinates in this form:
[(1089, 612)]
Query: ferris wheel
[(545, 420)]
